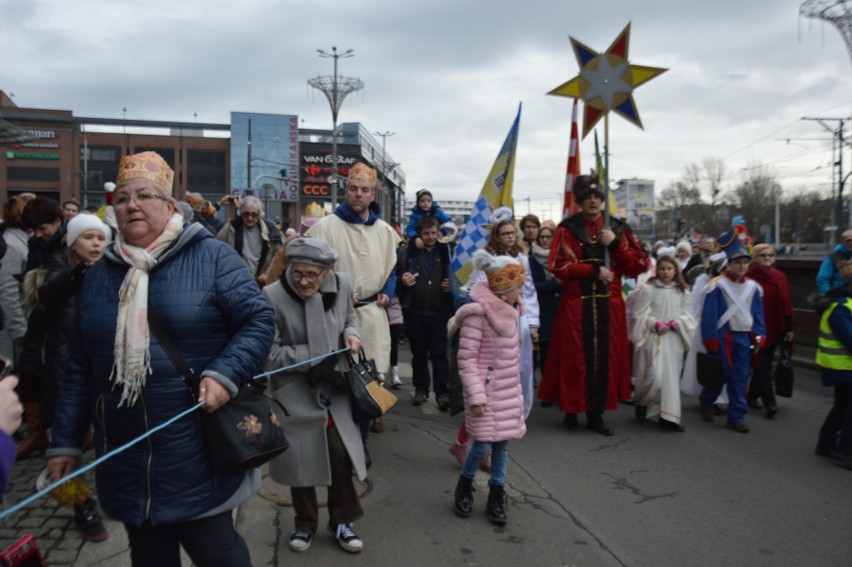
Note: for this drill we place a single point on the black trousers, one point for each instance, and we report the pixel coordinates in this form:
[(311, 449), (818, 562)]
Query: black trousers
[(395, 333), (209, 542), (427, 336), (760, 386), (344, 506), (836, 431)]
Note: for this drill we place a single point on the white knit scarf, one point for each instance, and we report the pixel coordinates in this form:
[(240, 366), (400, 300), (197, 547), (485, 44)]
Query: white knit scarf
[(541, 255), (132, 340)]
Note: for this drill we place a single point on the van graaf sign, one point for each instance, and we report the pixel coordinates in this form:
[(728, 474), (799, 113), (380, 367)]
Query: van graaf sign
[(316, 173)]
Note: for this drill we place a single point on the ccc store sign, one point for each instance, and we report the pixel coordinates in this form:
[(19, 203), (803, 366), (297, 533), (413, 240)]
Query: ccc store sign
[(315, 190)]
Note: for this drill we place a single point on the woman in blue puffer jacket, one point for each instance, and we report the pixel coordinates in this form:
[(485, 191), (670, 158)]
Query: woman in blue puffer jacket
[(120, 378)]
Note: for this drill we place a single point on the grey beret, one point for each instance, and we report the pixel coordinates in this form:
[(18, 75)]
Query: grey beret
[(311, 251)]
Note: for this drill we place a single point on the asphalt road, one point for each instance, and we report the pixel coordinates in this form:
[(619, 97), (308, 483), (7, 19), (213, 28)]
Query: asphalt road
[(645, 497), (709, 496)]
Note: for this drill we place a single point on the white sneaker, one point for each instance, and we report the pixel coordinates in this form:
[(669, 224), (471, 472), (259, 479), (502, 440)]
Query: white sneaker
[(395, 381), (381, 378), (346, 537), (300, 541)]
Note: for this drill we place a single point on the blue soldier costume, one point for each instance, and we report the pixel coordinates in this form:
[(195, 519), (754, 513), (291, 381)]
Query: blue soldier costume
[(731, 322)]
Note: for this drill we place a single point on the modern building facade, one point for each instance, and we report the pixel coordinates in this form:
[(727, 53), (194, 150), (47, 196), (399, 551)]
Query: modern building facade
[(59, 155), (635, 199), (459, 210)]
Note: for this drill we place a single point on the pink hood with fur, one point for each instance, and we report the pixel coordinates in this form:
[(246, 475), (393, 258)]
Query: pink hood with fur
[(488, 356)]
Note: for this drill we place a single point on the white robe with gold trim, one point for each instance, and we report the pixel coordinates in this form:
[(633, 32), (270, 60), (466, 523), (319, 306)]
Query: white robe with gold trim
[(368, 256)]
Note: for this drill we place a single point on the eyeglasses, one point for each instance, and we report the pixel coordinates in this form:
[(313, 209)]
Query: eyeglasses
[(502, 234), (766, 255), (141, 198), (250, 215), (545, 236), (310, 277)]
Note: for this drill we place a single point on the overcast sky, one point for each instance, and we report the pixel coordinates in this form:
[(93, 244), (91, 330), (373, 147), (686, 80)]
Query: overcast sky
[(447, 77)]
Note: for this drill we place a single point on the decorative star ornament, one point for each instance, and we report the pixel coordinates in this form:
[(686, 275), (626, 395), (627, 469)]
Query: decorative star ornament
[(606, 81)]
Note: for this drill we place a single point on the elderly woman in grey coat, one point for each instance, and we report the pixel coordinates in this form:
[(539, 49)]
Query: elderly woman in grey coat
[(314, 315)]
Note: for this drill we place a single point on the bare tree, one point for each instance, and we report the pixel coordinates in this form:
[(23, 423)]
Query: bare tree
[(755, 197), (678, 195), (683, 204), (714, 171), (804, 214)]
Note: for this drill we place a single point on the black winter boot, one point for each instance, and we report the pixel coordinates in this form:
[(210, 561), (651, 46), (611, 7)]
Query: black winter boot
[(89, 522), (464, 497), (496, 507)]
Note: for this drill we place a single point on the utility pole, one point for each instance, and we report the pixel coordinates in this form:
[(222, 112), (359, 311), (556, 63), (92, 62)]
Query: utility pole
[(336, 89), (248, 161), (837, 166)]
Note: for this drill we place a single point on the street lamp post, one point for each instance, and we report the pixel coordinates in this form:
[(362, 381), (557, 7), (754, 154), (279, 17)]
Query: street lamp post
[(336, 89), (248, 160), (384, 136)]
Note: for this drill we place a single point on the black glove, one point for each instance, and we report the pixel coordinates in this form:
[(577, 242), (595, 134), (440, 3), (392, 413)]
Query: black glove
[(323, 372)]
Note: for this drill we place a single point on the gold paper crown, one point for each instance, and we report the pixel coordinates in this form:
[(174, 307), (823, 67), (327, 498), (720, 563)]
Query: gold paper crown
[(147, 165), (508, 277), (363, 174)]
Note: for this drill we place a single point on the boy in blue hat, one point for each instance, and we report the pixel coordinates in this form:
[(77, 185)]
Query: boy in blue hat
[(733, 327)]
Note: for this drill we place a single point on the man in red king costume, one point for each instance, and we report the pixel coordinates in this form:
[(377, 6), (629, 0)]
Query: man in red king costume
[(588, 370)]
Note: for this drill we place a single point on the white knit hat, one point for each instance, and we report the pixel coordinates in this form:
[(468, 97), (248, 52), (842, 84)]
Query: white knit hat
[(83, 222)]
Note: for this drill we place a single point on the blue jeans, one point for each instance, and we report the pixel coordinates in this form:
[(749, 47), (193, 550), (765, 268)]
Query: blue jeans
[(499, 460)]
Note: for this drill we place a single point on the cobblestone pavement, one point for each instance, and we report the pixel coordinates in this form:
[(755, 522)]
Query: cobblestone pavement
[(53, 525), (62, 545)]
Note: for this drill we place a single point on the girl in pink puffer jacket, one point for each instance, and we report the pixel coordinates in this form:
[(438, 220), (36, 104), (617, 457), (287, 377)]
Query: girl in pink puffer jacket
[(489, 358)]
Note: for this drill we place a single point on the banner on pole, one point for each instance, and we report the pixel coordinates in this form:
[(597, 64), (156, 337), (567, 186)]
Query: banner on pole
[(496, 192)]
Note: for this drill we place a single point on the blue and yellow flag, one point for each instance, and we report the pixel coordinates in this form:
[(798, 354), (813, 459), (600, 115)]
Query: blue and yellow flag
[(496, 192)]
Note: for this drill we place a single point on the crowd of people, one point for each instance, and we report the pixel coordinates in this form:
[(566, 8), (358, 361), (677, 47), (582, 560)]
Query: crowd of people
[(582, 305)]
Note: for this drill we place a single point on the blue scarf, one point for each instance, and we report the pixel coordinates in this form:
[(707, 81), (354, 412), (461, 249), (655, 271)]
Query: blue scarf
[(347, 215)]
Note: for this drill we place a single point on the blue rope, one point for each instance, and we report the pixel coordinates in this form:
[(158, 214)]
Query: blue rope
[(30, 499), (283, 368), (96, 462)]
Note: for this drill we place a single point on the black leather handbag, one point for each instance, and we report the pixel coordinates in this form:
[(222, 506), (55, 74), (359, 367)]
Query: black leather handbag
[(368, 396), (784, 373), (244, 433), (709, 371)]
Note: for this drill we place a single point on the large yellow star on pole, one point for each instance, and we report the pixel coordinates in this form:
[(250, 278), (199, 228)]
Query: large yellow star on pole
[(606, 81)]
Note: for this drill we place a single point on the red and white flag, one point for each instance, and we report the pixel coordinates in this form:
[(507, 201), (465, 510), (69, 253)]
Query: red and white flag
[(573, 164)]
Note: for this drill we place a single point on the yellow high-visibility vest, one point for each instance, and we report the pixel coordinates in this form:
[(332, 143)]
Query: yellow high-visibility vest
[(832, 354)]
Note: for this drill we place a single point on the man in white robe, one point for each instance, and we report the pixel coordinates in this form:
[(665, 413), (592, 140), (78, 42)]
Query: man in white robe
[(367, 247)]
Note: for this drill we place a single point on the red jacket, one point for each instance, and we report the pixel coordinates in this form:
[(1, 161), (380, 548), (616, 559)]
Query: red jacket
[(777, 302)]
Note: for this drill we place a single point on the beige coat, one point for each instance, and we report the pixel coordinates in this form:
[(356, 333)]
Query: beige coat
[(368, 256)]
